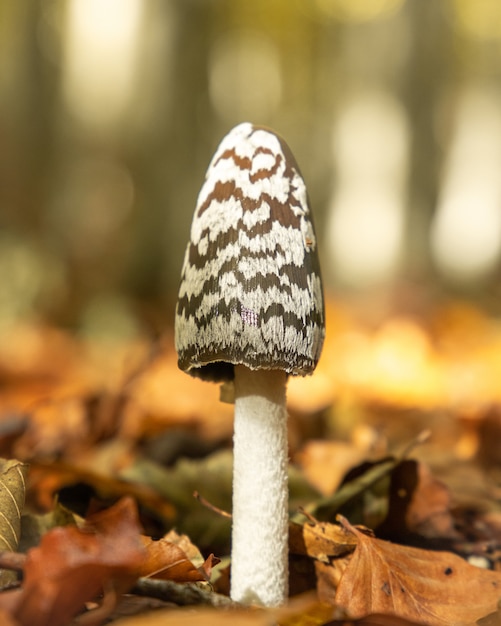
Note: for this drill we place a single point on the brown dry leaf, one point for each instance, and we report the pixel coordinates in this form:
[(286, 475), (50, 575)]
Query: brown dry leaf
[(419, 504), (321, 541), (429, 510), (166, 560), (71, 566), (12, 494), (433, 588), (193, 553), (186, 545)]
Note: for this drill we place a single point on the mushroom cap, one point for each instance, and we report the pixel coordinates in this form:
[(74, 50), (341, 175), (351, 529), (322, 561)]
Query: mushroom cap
[(251, 290)]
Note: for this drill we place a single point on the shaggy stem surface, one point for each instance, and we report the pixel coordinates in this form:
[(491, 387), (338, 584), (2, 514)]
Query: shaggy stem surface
[(259, 559)]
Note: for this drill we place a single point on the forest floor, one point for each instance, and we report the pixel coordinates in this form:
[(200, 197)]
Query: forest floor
[(115, 483)]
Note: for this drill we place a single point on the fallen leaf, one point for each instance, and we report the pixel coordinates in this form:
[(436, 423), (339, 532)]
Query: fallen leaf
[(166, 560), (204, 566), (321, 541), (71, 566), (12, 494), (433, 588), (187, 546), (419, 504)]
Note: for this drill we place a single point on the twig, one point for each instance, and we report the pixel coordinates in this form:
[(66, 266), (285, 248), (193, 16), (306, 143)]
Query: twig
[(210, 506), (184, 594), (308, 515)]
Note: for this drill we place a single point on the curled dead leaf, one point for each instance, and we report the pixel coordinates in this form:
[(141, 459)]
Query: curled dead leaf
[(165, 560)]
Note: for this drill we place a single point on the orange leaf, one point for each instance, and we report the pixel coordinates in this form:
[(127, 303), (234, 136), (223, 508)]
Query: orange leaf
[(432, 588), (71, 566), (166, 561), (173, 558), (321, 540)]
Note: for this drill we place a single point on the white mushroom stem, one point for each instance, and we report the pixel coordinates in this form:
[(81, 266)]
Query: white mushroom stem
[(259, 557)]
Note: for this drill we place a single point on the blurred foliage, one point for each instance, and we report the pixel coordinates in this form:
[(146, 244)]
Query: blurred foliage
[(110, 111)]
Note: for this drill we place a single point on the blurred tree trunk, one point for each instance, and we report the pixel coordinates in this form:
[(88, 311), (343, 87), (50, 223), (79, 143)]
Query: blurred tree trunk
[(429, 74), (27, 88)]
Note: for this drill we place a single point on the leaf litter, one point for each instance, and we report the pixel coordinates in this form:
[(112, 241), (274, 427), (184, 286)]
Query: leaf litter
[(99, 523)]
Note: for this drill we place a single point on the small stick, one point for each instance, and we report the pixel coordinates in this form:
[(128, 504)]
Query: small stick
[(308, 515), (210, 506)]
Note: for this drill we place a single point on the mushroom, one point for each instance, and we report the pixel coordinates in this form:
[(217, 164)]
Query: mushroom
[(250, 312)]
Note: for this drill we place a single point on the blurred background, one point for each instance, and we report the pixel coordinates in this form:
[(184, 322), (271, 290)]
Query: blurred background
[(110, 111)]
